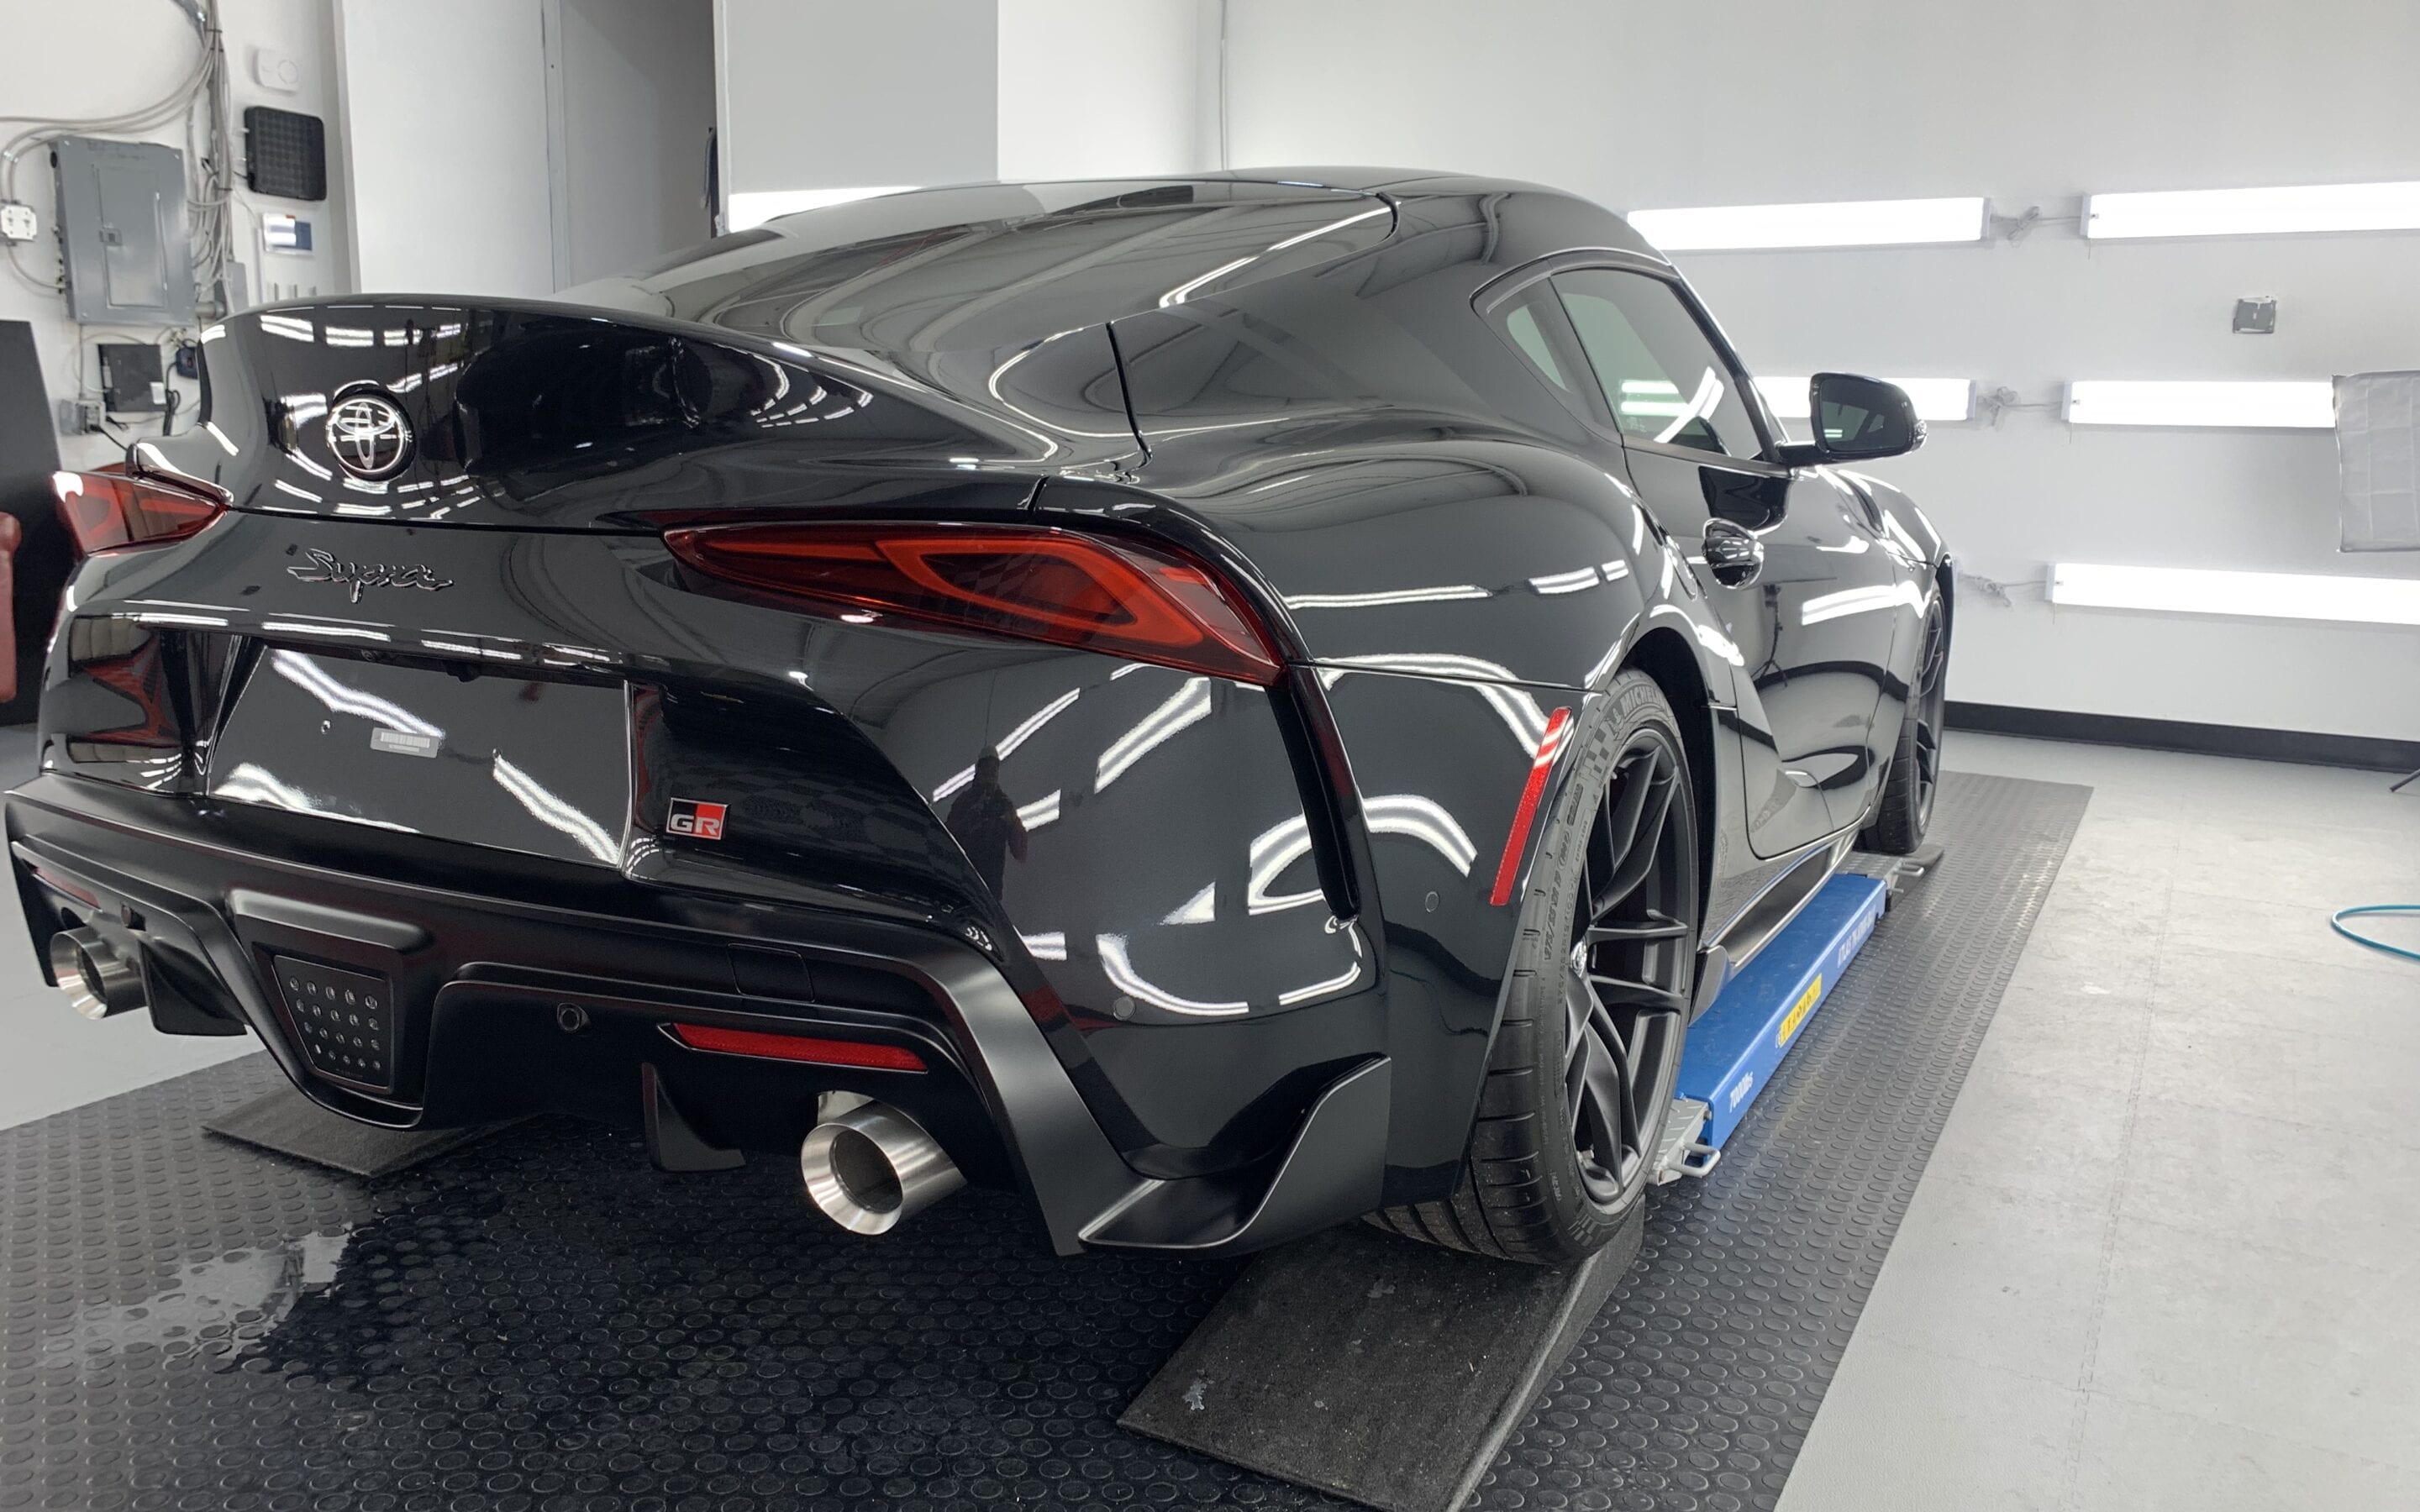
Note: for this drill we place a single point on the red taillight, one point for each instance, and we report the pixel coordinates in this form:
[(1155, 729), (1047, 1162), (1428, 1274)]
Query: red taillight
[(797, 1047), (1029, 582), (104, 511)]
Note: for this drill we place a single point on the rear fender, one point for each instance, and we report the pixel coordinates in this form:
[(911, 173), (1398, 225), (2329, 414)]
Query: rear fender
[(1139, 852)]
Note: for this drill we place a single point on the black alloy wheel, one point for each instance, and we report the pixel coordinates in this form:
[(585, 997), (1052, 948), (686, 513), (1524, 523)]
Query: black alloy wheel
[(1581, 1072), (1927, 711), (1905, 808), (1626, 994)]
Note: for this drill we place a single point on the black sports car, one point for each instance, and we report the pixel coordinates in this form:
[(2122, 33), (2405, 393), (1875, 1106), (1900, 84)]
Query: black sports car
[(1224, 704)]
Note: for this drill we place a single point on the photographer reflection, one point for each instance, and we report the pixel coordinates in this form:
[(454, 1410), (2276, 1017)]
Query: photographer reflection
[(984, 819)]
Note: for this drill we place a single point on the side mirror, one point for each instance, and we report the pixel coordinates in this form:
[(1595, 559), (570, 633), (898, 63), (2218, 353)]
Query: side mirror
[(1857, 420)]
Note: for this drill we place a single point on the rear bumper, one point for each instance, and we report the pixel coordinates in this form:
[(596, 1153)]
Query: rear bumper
[(478, 969)]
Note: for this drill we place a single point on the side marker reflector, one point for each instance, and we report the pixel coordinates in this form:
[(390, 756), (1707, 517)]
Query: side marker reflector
[(1525, 815), (798, 1048)]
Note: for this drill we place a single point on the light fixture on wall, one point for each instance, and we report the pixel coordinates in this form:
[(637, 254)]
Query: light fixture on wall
[(2296, 403), (1864, 223), (755, 207), (2268, 594), (1947, 400), (2250, 213)]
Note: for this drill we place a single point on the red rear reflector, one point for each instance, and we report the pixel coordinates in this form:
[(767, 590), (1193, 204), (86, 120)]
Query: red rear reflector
[(104, 511), (1029, 582), (63, 887), (797, 1047), (1550, 745)]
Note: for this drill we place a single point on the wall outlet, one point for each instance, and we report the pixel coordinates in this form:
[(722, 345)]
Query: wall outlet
[(18, 223), (273, 69), (79, 417)]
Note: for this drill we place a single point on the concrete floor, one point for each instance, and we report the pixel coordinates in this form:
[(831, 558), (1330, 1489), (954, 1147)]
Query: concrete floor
[(50, 1060), (2165, 1254), (2168, 1251)]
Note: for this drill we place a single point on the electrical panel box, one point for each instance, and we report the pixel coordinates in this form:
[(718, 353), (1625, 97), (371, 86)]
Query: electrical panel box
[(124, 233)]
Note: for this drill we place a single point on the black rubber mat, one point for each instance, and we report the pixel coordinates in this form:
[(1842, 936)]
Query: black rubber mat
[(543, 1322), (284, 1120)]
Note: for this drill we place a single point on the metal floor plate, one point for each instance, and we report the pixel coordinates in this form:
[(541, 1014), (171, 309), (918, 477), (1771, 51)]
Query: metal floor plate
[(541, 1321)]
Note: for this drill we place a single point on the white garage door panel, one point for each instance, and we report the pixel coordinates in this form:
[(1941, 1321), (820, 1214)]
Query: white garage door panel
[(444, 106)]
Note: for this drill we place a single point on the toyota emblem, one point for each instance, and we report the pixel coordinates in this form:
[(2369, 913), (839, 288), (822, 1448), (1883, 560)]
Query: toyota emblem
[(368, 435)]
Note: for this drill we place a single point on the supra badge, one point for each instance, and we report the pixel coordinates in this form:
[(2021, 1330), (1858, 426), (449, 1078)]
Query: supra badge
[(691, 817), (357, 576)]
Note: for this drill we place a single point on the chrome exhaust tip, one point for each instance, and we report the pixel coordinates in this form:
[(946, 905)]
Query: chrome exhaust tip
[(871, 1168), (97, 979)]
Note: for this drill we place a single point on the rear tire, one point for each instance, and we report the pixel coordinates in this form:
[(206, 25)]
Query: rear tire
[(1579, 1078), (1905, 810)]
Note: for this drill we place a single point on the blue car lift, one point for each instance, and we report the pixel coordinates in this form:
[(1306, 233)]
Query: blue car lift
[(1735, 1047)]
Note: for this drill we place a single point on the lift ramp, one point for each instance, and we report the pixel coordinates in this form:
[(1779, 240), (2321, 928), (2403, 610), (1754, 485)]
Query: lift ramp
[(1390, 1373)]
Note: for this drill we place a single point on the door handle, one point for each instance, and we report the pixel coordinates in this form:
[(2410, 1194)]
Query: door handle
[(1733, 555)]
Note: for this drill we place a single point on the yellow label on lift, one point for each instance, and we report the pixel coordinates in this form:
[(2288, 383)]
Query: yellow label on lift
[(1798, 1011)]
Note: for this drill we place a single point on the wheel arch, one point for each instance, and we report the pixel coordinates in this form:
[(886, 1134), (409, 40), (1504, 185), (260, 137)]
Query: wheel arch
[(1662, 654)]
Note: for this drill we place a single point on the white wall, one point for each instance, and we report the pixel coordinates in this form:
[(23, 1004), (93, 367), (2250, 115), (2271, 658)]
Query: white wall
[(1098, 89), (1769, 100), (822, 94), (634, 79), (101, 55), (445, 107)]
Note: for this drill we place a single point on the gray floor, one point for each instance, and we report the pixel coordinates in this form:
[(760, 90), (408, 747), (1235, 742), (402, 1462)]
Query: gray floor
[(2168, 1251), (50, 1060)]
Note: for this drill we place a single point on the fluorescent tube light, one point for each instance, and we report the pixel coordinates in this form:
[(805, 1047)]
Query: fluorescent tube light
[(1864, 223), (2248, 212), (1934, 398), (2284, 596), (2301, 404), (757, 206)]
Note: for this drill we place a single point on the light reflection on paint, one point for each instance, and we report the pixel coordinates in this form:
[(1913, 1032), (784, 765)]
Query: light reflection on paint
[(1273, 850), (556, 812), (1866, 600), (1425, 820), (1122, 975), (1340, 983), (1381, 599), (1492, 681), (1188, 705), (1201, 908), (1045, 945), (253, 784), (315, 680), (1014, 738), (1042, 810)]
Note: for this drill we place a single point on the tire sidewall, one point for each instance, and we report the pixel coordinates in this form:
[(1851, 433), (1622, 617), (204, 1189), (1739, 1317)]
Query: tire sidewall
[(1542, 957)]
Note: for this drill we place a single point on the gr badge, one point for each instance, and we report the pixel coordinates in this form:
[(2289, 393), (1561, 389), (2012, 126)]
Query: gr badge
[(691, 817)]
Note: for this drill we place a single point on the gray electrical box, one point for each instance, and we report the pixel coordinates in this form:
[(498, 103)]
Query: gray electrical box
[(123, 232)]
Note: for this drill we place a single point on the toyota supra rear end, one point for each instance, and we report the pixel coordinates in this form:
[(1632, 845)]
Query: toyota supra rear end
[(1194, 701)]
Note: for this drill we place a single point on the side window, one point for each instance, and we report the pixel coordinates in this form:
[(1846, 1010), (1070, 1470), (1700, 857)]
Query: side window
[(1522, 323), (1661, 377)]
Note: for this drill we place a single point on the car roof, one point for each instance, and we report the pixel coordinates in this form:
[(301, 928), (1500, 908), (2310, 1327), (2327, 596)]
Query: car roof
[(985, 267)]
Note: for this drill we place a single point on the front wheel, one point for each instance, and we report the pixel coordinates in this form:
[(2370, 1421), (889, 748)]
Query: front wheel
[(1906, 807), (1579, 1078)]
